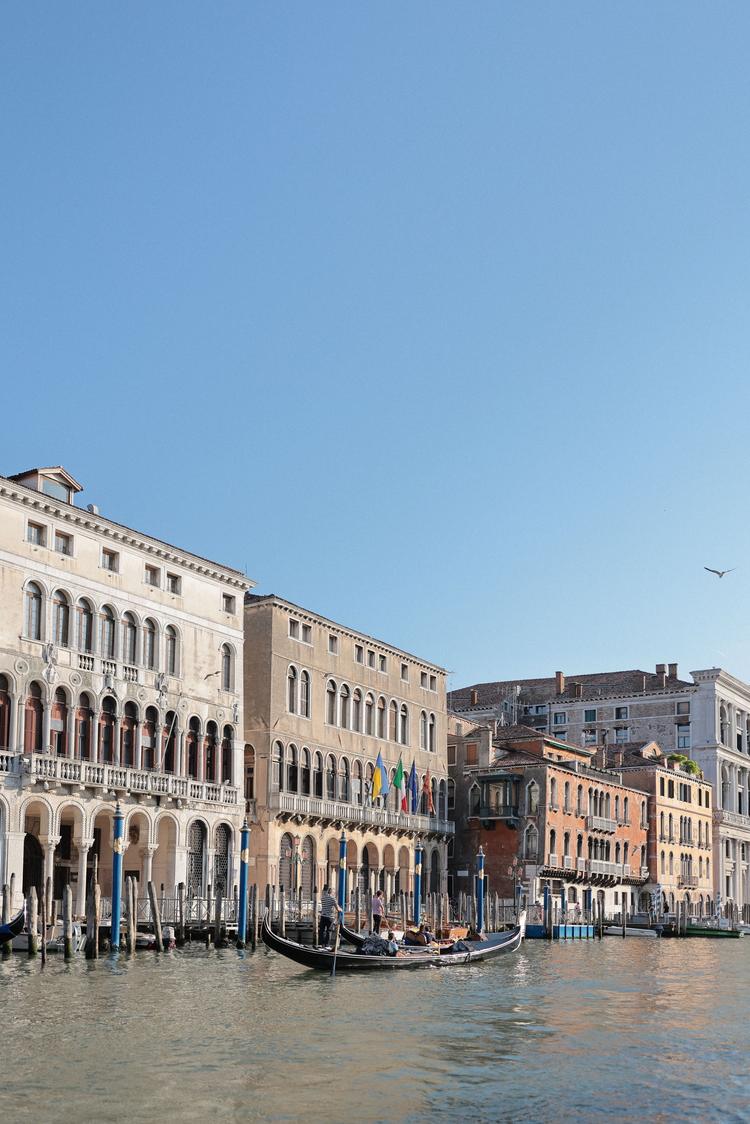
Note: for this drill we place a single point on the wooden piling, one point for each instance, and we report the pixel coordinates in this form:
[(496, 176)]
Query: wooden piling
[(315, 906), (92, 922), (357, 909), (7, 946), (218, 933), (33, 920), (44, 912), (282, 913), (67, 922), (155, 916), (254, 906), (180, 936)]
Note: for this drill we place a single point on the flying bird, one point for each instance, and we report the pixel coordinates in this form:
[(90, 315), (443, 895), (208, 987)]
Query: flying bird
[(719, 573)]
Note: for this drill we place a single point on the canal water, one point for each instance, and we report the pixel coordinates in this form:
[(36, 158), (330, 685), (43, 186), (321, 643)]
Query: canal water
[(574, 1031)]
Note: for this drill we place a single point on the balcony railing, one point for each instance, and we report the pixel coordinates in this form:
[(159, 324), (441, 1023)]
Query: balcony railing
[(498, 812), (688, 879), (356, 813), (122, 778), (600, 823), (735, 818)]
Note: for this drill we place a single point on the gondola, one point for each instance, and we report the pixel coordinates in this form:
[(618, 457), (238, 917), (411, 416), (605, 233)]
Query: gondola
[(12, 929), (463, 952)]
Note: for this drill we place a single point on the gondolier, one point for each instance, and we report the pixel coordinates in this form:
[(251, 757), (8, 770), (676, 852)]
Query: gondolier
[(329, 908)]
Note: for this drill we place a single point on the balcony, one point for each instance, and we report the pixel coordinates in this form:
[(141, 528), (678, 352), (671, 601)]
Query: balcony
[(498, 812), (600, 823), (688, 880), (47, 768), (605, 869), (568, 862), (735, 818), (336, 811)]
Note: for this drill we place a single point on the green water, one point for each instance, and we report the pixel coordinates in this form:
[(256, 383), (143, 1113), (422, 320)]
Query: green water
[(618, 1029)]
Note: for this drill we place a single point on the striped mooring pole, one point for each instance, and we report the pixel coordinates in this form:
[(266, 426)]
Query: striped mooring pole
[(117, 852), (244, 862), (480, 890), (341, 888), (418, 882)]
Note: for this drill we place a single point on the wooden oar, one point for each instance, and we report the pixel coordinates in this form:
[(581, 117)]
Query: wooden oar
[(336, 946)]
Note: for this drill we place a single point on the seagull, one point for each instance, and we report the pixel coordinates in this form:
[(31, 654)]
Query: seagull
[(719, 573)]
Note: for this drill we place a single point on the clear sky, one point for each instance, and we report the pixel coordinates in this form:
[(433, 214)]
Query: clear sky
[(432, 317)]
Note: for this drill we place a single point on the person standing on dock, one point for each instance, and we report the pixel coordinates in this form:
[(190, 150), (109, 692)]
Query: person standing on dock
[(329, 907), (378, 911)]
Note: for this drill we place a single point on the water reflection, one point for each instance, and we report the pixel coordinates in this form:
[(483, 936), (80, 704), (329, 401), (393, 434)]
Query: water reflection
[(626, 1028)]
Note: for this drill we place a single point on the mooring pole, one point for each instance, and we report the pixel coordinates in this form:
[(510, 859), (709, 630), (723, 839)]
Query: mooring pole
[(341, 887), (117, 851), (480, 891), (417, 882), (244, 863)]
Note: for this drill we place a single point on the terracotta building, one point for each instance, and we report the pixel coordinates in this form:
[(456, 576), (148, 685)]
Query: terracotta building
[(680, 810), (544, 815)]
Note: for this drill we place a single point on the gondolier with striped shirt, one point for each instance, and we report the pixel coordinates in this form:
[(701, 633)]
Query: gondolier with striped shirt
[(329, 908)]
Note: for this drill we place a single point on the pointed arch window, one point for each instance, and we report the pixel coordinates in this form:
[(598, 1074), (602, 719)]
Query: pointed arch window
[(61, 619), (381, 718), (33, 622), (291, 689), (305, 772), (431, 734), (369, 715), (331, 777), (318, 776), (403, 728), (344, 711), (357, 710), (172, 651), (423, 729), (304, 694), (227, 668), (331, 694)]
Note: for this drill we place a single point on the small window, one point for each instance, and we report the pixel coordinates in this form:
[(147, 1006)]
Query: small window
[(433, 682), (153, 576), (359, 653), (621, 734), (228, 602), (451, 755), (294, 629), (307, 634), (559, 718), (174, 583), (471, 753), (110, 560), (589, 737), (382, 664), (370, 658), (423, 679), (682, 708), (621, 713), (36, 534), (405, 672), (333, 644), (63, 543), (589, 716)]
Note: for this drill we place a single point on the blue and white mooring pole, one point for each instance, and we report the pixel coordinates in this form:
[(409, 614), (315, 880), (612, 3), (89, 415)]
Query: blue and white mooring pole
[(244, 863), (480, 891), (418, 882), (341, 887), (117, 853)]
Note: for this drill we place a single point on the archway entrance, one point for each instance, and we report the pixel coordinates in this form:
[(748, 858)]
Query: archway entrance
[(196, 859), (33, 864), (221, 861)]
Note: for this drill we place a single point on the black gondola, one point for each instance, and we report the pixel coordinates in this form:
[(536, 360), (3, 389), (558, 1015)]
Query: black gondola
[(463, 952), (12, 929)]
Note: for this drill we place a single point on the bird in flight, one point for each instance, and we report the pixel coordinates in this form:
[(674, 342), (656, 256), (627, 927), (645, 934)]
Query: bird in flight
[(719, 573)]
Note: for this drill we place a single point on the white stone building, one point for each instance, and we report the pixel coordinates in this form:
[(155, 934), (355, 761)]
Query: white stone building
[(121, 670)]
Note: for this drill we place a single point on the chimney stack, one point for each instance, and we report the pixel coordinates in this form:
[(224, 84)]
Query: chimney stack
[(578, 688), (661, 669), (474, 696), (673, 671), (559, 682)]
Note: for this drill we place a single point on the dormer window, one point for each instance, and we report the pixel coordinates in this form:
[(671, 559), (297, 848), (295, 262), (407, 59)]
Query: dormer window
[(55, 489)]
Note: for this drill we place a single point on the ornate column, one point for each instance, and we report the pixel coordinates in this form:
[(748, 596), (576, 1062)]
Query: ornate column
[(49, 844), (46, 720), (147, 855), (83, 854)]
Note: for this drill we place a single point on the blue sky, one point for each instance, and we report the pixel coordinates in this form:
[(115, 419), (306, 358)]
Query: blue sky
[(432, 317)]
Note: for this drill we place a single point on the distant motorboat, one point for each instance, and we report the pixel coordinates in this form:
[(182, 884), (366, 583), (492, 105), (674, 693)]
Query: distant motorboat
[(630, 931)]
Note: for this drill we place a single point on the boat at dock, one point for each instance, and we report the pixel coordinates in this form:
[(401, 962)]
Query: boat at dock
[(459, 952), (12, 928), (630, 931)]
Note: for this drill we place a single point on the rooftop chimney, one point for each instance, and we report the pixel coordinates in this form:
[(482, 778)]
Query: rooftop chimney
[(661, 669), (559, 682), (578, 688), (673, 671), (474, 696)]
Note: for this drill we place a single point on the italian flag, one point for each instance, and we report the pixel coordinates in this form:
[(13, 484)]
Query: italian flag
[(399, 783)]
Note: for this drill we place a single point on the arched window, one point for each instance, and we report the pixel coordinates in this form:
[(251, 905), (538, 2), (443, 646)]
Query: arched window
[(357, 787), (625, 810), (85, 626), (357, 710), (305, 772), (60, 619), (277, 772), (671, 862), (369, 715), (404, 725), (344, 711), (531, 844), (304, 694), (393, 722), (566, 796), (475, 799), (553, 845), (431, 734), (227, 668), (566, 844), (318, 776), (210, 748), (129, 634), (552, 793), (84, 717), (442, 809), (107, 731), (345, 791), (331, 777), (579, 846), (192, 741), (423, 730), (617, 808), (107, 633), (127, 735), (331, 693), (226, 755), (4, 711), (59, 724), (292, 777), (33, 720), (291, 689), (579, 800), (33, 622), (532, 798), (170, 741), (451, 795), (381, 717), (170, 637), (285, 863), (149, 644)]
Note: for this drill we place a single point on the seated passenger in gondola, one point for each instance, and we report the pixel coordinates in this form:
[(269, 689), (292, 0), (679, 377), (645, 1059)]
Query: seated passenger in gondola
[(392, 943)]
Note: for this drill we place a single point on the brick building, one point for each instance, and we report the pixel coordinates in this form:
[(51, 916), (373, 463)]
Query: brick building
[(544, 815)]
